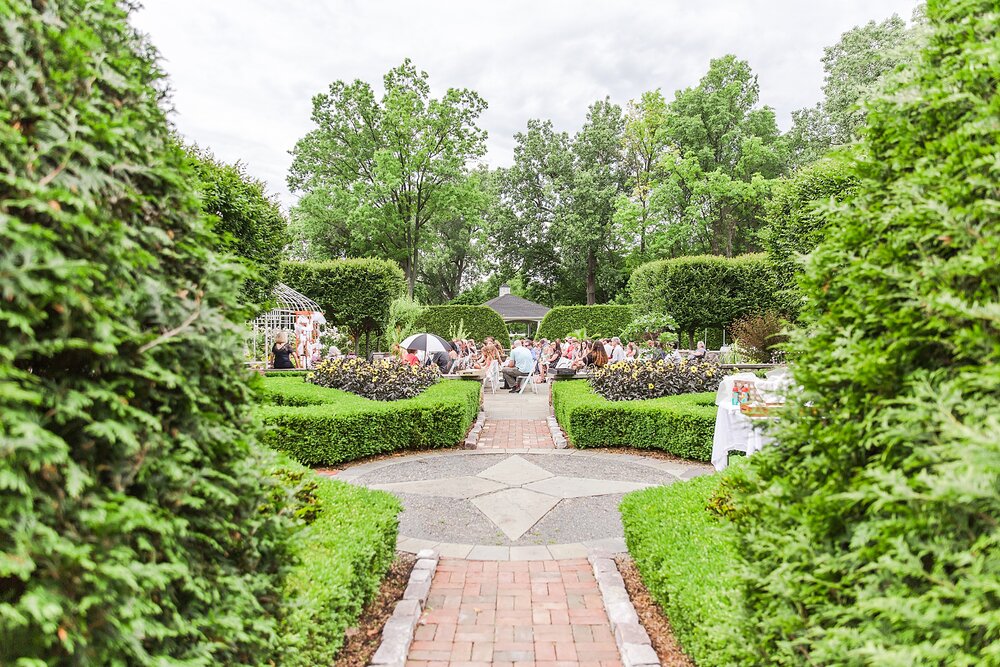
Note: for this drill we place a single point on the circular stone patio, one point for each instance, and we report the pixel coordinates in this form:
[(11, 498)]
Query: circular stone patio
[(515, 504)]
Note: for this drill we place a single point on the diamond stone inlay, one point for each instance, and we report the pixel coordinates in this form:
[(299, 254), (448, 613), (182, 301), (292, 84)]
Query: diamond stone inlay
[(515, 511), (579, 487), (448, 487), (515, 471)]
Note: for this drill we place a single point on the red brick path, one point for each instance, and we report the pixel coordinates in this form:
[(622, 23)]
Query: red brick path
[(515, 434), (528, 613)]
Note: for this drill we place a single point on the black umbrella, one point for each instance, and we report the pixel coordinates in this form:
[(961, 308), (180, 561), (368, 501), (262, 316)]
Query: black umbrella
[(427, 342)]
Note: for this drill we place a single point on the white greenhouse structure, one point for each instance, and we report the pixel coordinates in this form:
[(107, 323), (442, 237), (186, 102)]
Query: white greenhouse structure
[(294, 313)]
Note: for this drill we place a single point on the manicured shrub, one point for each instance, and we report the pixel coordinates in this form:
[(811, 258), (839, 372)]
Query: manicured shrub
[(682, 425), (343, 552), (640, 380), (647, 326), (599, 321), (321, 426), (383, 380), (688, 560), (478, 322), (705, 292), (355, 293), (129, 524), (869, 533)]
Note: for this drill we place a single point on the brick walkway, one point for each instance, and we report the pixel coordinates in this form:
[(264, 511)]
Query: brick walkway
[(543, 613), (515, 434)]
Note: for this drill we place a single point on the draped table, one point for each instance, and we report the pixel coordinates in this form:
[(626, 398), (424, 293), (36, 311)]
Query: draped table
[(734, 431)]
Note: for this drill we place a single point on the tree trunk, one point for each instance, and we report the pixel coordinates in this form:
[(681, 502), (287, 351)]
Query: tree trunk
[(591, 277)]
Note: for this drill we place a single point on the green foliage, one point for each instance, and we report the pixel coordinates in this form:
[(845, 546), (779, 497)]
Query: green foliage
[(682, 425), (248, 223), (688, 560), (320, 426), (129, 524), (796, 221), (477, 321), (356, 293), (378, 176), (705, 292), (870, 532), (403, 313), (342, 555), (640, 380), (599, 321), (382, 380), (647, 326), (760, 336)]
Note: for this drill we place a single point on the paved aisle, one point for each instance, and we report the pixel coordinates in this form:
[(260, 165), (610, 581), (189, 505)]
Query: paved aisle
[(544, 613)]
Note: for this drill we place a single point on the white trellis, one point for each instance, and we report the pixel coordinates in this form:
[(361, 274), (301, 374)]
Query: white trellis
[(291, 305)]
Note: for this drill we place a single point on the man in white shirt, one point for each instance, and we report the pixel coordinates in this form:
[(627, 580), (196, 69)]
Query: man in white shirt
[(520, 363), (617, 351)]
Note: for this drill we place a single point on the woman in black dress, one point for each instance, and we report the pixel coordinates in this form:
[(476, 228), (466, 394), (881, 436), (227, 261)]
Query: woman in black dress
[(282, 352)]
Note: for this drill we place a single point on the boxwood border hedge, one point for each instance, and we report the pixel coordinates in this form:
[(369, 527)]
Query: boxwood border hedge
[(681, 425), (322, 426), (602, 321)]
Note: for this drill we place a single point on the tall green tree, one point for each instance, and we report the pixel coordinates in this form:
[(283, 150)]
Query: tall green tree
[(247, 222), (375, 174), (869, 531), (724, 152)]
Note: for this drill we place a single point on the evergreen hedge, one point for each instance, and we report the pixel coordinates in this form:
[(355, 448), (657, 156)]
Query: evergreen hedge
[(869, 531), (600, 321), (478, 322), (705, 292), (129, 524), (322, 426), (355, 293), (688, 560), (682, 425), (342, 555)]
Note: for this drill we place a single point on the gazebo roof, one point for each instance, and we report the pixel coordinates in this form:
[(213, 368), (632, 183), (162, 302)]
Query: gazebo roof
[(289, 299), (515, 309)]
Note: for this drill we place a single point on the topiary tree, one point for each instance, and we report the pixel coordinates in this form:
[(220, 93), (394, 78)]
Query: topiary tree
[(870, 530), (355, 293), (129, 524)]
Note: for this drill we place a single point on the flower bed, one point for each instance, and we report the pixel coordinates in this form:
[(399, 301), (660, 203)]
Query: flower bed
[(322, 426), (687, 556), (682, 425), (382, 380), (640, 380)]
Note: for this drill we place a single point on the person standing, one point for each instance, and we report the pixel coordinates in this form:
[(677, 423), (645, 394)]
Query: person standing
[(283, 355)]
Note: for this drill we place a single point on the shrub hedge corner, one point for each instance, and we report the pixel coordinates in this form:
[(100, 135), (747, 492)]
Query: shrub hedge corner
[(323, 426), (602, 321), (687, 558), (682, 425), (477, 321)]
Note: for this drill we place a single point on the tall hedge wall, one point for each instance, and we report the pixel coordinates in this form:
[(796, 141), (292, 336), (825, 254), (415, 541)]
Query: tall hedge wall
[(869, 532), (355, 293), (600, 321), (478, 321), (130, 530), (705, 291)]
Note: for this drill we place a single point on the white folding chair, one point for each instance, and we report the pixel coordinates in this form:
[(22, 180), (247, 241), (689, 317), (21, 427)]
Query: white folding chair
[(525, 380), (492, 376)]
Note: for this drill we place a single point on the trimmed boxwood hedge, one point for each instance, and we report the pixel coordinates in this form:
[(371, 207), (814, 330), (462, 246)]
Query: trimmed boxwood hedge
[(478, 322), (705, 292), (687, 557), (342, 557), (682, 425), (321, 426), (599, 321)]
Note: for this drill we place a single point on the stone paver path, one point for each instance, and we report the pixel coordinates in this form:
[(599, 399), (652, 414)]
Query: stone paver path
[(543, 613), (514, 434)]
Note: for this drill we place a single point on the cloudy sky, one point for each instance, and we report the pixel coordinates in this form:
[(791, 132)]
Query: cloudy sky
[(243, 71)]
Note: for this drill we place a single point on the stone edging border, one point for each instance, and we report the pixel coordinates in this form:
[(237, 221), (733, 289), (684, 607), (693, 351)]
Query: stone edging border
[(558, 437), (397, 635), (472, 437), (632, 639)]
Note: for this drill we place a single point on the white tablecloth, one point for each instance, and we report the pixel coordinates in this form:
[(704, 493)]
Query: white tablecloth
[(735, 432)]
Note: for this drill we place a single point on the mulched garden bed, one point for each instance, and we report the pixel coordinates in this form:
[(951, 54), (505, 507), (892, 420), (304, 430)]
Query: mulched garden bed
[(652, 616), (362, 640)]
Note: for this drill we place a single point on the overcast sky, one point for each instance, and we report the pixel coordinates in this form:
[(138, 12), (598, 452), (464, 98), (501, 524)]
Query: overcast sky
[(243, 72)]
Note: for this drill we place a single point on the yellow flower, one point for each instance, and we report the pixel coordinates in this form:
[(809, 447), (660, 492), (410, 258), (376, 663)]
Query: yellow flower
[(651, 385)]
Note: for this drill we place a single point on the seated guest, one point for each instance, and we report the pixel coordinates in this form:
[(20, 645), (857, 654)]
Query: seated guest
[(411, 358), (441, 359), (519, 364), (700, 351), (631, 352), (617, 351)]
